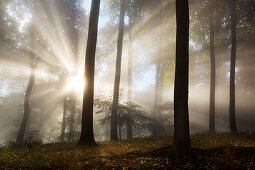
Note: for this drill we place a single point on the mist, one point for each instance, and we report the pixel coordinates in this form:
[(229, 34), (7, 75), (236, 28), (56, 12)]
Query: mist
[(42, 65)]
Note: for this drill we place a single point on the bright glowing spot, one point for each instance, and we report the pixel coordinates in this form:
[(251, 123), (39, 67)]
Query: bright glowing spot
[(20, 14), (75, 83)]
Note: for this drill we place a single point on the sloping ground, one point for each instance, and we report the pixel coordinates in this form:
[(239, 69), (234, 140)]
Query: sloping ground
[(220, 151)]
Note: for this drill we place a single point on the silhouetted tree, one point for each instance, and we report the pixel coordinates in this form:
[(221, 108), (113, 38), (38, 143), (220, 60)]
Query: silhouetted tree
[(63, 129), (130, 51), (33, 66), (212, 81), (181, 142), (114, 135), (24, 123), (232, 118), (87, 134)]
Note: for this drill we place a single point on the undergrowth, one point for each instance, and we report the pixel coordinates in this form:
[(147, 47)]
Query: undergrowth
[(210, 151)]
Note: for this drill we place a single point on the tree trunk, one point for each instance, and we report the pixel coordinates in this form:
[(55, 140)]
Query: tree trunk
[(24, 122), (130, 58), (181, 142), (87, 134), (129, 130), (114, 135), (71, 134), (232, 118), (212, 81), (120, 132), (160, 90), (62, 136), (157, 77)]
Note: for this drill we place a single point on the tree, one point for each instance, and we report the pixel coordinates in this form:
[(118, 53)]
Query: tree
[(33, 65), (181, 141), (63, 129), (133, 9), (87, 134), (130, 114), (232, 118), (130, 55), (114, 135), (212, 81), (24, 123), (27, 106)]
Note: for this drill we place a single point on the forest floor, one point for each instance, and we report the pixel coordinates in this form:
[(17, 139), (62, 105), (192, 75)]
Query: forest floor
[(219, 151)]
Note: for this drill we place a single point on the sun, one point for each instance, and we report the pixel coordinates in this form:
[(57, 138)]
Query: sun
[(76, 83)]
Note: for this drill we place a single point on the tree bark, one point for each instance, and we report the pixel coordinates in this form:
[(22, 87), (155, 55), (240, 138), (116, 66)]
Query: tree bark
[(213, 75), (181, 141), (87, 134), (156, 95), (71, 133), (120, 132), (21, 134), (232, 118), (114, 135), (130, 58), (33, 65), (62, 136), (129, 130)]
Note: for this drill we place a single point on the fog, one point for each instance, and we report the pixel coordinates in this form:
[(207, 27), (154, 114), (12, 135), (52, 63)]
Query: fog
[(50, 36)]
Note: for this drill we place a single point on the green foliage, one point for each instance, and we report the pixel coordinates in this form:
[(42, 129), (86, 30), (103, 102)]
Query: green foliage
[(129, 112)]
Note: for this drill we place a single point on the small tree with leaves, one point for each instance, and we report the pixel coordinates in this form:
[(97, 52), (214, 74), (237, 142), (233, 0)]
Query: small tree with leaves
[(129, 114)]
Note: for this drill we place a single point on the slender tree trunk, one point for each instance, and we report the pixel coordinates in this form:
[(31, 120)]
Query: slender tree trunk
[(212, 85), (160, 95), (232, 118), (114, 135), (87, 134), (181, 142), (62, 136), (120, 132), (33, 65), (24, 122), (130, 58), (129, 130), (160, 90), (154, 130), (71, 134)]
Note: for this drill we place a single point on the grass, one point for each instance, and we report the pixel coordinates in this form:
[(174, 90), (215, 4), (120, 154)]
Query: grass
[(218, 151)]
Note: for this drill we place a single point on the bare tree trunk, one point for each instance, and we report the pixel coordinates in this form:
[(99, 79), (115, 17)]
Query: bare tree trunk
[(33, 65), (181, 142), (120, 132), (115, 103), (87, 134), (24, 122), (71, 133), (232, 118), (62, 136), (212, 85), (160, 90), (130, 58), (129, 130), (157, 76)]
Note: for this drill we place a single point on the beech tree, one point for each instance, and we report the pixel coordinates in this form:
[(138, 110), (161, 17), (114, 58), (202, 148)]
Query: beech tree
[(115, 102), (87, 134), (232, 111), (27, 107), (213, 72), (181, 141)]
